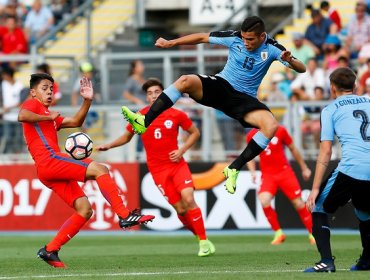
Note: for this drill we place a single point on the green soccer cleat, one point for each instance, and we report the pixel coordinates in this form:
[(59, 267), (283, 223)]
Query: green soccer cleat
[(231, 175), (206, 248), (135, 119)]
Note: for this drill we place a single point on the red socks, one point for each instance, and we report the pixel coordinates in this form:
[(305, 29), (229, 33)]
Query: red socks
[(306, 218), (271, 216), (69, 229), (184, 221), (196, 224), (112, 194)]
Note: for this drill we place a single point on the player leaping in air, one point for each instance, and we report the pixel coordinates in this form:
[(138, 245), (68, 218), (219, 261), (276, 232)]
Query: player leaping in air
[(233, 90)]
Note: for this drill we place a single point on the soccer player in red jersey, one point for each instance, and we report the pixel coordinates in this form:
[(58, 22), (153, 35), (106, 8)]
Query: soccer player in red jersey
[(58, 171), (278, 174), (170, 171)]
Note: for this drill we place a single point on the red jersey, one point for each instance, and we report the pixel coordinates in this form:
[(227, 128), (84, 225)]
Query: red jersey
[(273, 159), (160, 137), (41, 137), (13, 41)]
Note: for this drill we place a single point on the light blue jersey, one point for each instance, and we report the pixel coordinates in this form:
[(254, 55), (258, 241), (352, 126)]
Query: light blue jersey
[(245, 70), (349, 118)]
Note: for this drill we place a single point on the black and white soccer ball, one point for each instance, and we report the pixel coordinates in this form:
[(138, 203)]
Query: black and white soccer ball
[(79, 145)]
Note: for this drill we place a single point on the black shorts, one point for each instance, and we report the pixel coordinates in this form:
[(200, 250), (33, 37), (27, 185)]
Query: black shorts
[(219, 94), (339, 189)]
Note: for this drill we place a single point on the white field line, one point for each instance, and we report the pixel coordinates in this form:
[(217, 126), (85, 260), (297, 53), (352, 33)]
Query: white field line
[(169, 273)]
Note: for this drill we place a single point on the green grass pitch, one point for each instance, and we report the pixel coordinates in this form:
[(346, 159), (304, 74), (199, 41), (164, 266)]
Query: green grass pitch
[(137, 256)]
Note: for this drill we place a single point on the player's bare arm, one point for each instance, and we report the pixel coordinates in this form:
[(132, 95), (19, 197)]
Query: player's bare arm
[(323, 160), (194, 135), (252, 168), (294, 63), (120, 141), (306, 172), (192, 39), (31, 117), (87, 92)]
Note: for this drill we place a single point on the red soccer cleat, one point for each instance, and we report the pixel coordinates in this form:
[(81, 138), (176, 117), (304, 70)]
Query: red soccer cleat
[(134, 218), (51, 258)]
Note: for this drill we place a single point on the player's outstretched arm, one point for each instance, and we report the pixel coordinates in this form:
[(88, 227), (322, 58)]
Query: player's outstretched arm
[(252, 168), (294, 63), (192, 39), (306, 172), (87, 92), (25, 115), (120, 141)]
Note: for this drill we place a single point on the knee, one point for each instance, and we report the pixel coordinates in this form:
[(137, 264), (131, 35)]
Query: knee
[(96, 169), (180, 208), (87, 213), (298, 203), (182, 83), (265, 201)]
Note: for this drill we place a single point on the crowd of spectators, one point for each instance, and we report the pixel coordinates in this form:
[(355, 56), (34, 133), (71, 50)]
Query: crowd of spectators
[(325, 45)]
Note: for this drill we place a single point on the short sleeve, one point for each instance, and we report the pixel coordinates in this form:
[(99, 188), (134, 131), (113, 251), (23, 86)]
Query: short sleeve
[(224, 38), (287, 139), (58, 122), (184, 121), (327, 126)]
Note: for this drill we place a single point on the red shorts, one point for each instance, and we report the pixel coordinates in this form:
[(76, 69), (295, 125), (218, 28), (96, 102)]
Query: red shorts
[(61, 173), (285, 180), (173, 180)]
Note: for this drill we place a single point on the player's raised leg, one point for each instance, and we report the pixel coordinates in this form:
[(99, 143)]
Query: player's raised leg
[(113, 195), (265, 121), (189, 84)]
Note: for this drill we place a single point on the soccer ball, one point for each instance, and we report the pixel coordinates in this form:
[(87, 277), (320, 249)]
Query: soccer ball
[(79, 145)]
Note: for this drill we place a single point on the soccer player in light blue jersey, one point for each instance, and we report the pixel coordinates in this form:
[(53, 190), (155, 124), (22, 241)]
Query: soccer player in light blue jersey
[(233, 90), (347, 117)]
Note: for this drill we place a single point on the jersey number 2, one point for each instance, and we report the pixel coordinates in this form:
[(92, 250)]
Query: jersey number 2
[(364, 125)]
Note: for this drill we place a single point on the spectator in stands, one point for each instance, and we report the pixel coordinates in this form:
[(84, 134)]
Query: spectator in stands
[(319, 29), (367, 92), (331, 13), (311, 120), (303, 50), (17, 9), (276, 92), (132, 89), (13, 39), (11, 99), (57, 94), (358, 30), (61, 9), (38, 21), (304, 84), (363, 78)]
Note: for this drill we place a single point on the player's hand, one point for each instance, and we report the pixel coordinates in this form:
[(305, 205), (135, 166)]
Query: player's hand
[(306, 174), (163, 43), (54, 115), (102, 148), (86, 89), (175, 156), (310, 203), (254, 178), (286, 56)]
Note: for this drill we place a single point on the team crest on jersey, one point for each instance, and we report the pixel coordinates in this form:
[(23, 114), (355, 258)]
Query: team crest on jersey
[(168, 124), (274, 140), (264, 55)]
